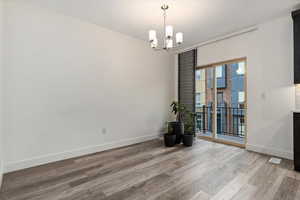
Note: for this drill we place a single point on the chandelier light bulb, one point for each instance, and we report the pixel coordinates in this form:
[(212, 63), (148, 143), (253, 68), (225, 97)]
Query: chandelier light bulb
[(169, 44), (179, 38), (152, 35), (169, 31), (154, 43)]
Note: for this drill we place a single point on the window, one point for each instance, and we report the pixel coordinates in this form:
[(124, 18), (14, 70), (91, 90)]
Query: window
[(241, 96), (199, 99), (220, 97), (198, 75), (241, 68), (219, 70), (221, 76), (210, 78)]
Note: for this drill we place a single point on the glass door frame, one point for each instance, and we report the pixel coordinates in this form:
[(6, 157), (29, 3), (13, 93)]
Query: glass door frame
[(213, 137)]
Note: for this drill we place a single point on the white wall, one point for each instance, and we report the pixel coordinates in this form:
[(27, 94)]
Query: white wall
[(1, 88), (271, 93), (66, 80)]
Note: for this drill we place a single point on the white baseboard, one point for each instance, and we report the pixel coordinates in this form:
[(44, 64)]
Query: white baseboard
[(270, 151), (32, 162)]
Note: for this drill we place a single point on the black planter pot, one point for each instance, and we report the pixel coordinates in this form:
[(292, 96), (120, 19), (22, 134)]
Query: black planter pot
[(188, 140), (178, 130), (169, 140)]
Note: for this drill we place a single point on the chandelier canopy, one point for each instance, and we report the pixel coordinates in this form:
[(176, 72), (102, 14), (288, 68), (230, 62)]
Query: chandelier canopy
[(168, 35)]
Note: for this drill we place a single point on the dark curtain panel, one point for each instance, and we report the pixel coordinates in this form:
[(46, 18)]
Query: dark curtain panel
[(187, 62), (296, 17)]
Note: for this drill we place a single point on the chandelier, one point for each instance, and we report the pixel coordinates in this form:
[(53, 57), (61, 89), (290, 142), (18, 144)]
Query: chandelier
[(168, 35)]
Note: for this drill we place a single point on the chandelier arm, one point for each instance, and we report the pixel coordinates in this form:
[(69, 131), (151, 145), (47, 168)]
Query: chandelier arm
[(175, 48), (159, 49)]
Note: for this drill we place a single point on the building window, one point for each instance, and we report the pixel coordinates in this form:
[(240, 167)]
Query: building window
[(210, 78), (221, 76), (241, 96), (198, 75), (219, 70), (220, 97), (199, 99), (241, 68)]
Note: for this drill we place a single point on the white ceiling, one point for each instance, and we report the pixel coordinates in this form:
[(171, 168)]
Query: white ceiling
[(199, 20)]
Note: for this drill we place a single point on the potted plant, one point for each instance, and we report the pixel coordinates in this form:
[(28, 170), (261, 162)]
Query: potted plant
[(189, 128), (169, 137), (177, 126)]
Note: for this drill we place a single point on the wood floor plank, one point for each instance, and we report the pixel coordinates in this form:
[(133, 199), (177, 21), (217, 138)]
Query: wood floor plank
[(274, 187), (183, 163), (184, 192), (287, 189), (142, 190), (245, 193), (111, 168), (99, 178), (137, 176), (188, 179), (297, 196), (233, 187), (149, 171), (215, 179), (45, 172), (265, 179), (201, 196), (38, 189)]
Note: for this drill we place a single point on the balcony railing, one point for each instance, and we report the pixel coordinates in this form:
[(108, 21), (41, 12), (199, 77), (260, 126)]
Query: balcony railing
[(230, 120)]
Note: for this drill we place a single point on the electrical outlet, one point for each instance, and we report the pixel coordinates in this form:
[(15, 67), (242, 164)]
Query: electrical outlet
[(103, 131)]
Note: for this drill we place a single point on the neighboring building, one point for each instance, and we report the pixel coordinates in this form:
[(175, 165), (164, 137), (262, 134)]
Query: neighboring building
[(200, 88)]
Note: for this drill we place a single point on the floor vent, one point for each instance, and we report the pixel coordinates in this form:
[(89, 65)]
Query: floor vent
[(275, 161)]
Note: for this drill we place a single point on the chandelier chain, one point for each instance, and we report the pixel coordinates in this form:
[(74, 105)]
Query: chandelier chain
[(165, 16)]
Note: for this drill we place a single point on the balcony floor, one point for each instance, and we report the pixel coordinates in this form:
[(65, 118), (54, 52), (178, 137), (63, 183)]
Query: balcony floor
[(230, 138)]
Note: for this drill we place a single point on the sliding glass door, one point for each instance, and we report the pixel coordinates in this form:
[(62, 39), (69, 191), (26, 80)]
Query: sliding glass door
[(221, 101)]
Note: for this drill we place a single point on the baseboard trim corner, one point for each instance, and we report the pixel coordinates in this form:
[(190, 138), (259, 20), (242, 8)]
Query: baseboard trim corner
[(37, 161), (270, 151)]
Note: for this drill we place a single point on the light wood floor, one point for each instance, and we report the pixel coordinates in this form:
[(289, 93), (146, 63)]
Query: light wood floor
[(150, 171)]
